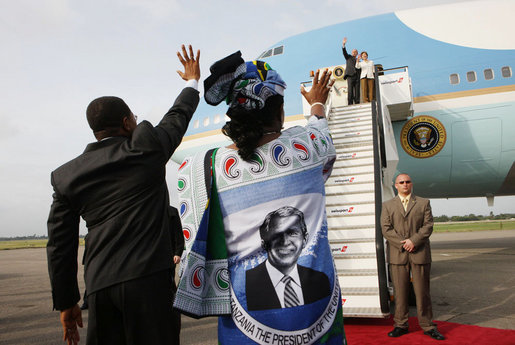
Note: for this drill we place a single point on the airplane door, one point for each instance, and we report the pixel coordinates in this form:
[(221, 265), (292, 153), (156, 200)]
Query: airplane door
[(476, 149)]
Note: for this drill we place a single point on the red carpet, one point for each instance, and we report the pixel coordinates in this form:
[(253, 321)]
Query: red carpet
[(374, 332)]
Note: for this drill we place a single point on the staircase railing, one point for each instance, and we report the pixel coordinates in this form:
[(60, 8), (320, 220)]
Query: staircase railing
[(379, 116), (379, 160)]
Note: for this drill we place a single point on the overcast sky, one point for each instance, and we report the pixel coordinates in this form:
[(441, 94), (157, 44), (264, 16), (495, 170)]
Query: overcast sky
[(57, 55)]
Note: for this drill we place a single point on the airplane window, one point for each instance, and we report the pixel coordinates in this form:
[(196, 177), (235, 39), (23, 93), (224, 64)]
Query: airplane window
[(196, 124), (266, 54), (489, 74), (278, 50), (455, 78), (206, 121), (506, 71), (471, 76), (217, 119)]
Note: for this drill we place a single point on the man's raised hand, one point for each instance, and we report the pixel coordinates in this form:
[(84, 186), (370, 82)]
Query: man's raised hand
[(190, 63)]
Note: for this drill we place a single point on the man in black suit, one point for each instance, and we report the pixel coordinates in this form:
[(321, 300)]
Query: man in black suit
[(279, 282), (118, 187), (352, 75)]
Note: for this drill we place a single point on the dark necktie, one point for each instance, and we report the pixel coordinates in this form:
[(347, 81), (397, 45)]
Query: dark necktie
[(290, 297)]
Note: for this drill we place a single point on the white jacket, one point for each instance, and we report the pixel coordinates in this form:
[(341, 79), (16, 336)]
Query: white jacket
[(367, 68)]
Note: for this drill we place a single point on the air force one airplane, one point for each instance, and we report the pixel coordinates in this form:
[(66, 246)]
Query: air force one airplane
[(460, 58), (444, 113)]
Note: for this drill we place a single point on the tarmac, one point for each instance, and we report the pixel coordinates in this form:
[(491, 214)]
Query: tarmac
[(472, 282)]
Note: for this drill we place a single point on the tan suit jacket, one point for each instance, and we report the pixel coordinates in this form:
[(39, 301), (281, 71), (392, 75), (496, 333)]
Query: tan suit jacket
[(416, 223)]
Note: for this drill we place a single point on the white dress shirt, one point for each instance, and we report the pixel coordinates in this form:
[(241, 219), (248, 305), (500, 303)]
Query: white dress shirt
[(276, 276), (192, 83)]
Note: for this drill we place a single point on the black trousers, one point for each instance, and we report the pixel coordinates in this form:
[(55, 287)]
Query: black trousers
[(136, 312), (353, 87)]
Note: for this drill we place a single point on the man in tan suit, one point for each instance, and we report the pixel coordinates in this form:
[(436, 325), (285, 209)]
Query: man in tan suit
[(407, 223)]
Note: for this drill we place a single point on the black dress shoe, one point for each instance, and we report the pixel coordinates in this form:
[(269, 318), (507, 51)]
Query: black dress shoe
[(433, 333), (397, 332)]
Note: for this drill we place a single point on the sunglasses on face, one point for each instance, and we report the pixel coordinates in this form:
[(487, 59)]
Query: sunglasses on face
[(403, 182)]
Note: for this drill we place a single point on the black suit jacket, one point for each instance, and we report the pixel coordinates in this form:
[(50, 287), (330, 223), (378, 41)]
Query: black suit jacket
[(350, 68), (261, 293), (118, 187)]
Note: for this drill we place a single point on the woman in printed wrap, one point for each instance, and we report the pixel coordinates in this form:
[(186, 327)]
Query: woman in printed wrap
[(275, 279)]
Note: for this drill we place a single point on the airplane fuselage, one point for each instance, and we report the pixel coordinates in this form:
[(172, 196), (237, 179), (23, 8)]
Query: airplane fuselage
[(470, 90)]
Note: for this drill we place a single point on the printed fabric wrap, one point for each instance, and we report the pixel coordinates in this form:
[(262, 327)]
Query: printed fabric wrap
[(204, 287), (274, 223)]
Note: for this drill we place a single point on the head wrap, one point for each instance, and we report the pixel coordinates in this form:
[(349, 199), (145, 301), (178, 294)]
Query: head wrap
[(247, 84)]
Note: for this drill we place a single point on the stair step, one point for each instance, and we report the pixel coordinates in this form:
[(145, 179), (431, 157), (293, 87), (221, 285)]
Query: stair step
[(348, 249), (356, 263), (348, 161), (350, 122), (352, 134), (351, 109), (349, 188), (360, 291), (348, 222), (352, 240), (367, 147), (362, 281), (343, 180), (363, 312), (355, 170), (350, 210), (338, 130), (354, 155), (353, 234), (372, 272), (343, 233), (353, 138), (351, 193), (351, 145)]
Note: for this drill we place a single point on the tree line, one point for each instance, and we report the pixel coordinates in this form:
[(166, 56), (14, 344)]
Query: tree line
[(473, 217), (28, 237)]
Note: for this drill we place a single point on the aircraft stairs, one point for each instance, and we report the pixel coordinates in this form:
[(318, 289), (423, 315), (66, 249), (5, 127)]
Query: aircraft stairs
[(351, 209), (366, 162)]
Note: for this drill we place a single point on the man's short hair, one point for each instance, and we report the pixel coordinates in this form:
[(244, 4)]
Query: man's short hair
[(285, 211), (399, 174), (107, 112)]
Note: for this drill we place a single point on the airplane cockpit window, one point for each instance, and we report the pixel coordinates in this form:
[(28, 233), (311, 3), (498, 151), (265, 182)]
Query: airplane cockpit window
[(272, 52), (471, 76), (506, 71), (454, 78), (489, 74), (196, 124), (278, 50), (206, 122), (266, 54)]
